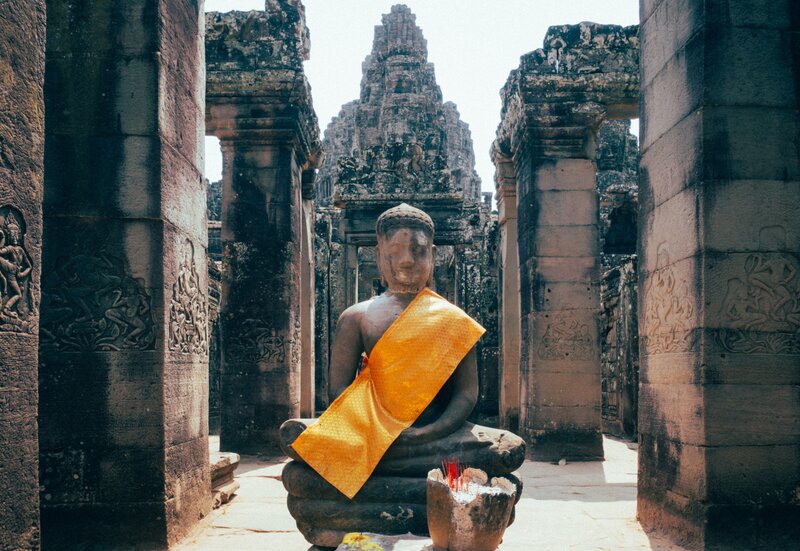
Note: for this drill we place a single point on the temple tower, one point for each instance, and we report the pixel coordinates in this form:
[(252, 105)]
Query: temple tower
[(399, 142)]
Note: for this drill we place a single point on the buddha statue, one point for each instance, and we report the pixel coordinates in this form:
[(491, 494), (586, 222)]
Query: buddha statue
[(403, 380)]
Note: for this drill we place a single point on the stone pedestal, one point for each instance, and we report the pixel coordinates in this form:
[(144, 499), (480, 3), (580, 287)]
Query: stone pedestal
[(22, 45), (259, 106), (123, 344), (719, 463), (552, 107)]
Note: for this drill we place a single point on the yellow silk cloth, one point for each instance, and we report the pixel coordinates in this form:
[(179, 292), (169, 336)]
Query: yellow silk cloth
[(406, 369)]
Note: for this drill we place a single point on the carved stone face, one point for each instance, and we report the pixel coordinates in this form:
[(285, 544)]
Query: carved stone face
[(405, 259)]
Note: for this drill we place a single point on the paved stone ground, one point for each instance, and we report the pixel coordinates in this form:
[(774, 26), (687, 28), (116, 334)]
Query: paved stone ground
[(577, 506)]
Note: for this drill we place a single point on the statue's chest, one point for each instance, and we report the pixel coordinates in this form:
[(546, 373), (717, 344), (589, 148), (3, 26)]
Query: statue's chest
[(375, 324)]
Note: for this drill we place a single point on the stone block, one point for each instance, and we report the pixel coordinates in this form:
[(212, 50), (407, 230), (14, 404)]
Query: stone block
[(757, 414), (752, 473), (680, 211), (102, 95), (571, 295), (183, 203), (674, 92), (733, 219), (571, 444), (672, 163), (667, 26), (565, 175), (103, 175), (565, 390), (566, 269), (749, 143), (563, 208), (672, 411), (747, 66), (562, 241)]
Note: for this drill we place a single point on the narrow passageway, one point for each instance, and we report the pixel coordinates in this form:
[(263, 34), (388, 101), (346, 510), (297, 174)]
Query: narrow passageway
[(578, 506)]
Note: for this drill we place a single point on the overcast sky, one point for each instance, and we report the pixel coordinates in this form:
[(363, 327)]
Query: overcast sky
[(473, 45)]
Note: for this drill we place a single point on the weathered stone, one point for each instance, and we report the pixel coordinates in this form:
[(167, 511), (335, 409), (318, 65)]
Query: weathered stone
[(223, 485), (259, 105), (587, 72), (399, 142), (620, 350), (22, 46), (719, 260), (123, 344)]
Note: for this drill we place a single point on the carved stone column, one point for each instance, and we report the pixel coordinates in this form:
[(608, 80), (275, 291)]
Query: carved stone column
[(259, 105), (509, 323), (22, 44), (719, 316), (123, 342), (552, 107)]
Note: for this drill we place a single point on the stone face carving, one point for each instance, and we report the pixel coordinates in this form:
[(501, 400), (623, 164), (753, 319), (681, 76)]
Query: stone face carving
[(188, 311), (91, 303), (255, 343), (668, 310), (567, 339), (17, 306)]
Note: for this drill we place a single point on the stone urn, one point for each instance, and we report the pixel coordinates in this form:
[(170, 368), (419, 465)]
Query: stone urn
[(470, 513)]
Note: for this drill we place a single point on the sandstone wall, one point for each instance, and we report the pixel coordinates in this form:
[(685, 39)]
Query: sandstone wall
[(22, 44)]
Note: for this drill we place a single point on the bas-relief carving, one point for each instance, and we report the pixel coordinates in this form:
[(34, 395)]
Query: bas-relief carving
[(668, 310), (188, 311), (17, 307), (253, 341), (567, 339), (761, 308), (91, 303)]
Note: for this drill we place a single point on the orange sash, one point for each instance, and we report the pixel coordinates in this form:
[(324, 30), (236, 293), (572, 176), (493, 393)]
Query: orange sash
[(406, 369)]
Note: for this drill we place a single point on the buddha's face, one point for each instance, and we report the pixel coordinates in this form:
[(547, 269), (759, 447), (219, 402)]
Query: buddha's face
[(405, 259)]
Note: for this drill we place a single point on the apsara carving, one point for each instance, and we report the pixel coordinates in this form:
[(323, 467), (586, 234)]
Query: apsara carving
[(762, 306), (668, 310), (188, 311), (91, 303), (17, 306)]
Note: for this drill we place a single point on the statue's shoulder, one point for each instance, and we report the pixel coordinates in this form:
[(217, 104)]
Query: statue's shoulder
[(357, 311)]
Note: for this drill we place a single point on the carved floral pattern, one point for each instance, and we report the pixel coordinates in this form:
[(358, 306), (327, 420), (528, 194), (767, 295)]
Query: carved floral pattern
[(254, 342), (567, 339), (91, 303)]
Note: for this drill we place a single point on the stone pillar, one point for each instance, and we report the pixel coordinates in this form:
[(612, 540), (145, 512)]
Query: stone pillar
[(308, 291), (586, 72), (559, 261), (509, 323), (22, 45), (259, 106), (719, 463), (123, 362)]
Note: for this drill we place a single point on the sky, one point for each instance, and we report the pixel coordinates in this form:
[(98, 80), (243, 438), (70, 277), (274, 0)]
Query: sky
[(473, 44)]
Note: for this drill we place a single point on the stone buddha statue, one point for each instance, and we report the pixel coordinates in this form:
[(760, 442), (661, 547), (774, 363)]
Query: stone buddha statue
[(403, 380)]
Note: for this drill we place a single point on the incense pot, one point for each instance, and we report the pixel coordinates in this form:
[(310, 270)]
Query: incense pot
[(466, 511)]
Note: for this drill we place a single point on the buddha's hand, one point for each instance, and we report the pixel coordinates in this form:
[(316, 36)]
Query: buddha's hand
[(415, 435)]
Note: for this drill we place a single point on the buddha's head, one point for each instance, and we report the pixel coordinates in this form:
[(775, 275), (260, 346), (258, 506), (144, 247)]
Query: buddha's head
[(405, 248)]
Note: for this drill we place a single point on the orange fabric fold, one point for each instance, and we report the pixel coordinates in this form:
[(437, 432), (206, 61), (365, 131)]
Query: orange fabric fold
[(406, 369)]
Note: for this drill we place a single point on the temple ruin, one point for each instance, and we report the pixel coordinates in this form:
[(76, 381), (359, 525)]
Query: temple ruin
[(649, 291)]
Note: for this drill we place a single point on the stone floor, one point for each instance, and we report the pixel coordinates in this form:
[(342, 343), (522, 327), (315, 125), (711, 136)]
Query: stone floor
[(577, 506)]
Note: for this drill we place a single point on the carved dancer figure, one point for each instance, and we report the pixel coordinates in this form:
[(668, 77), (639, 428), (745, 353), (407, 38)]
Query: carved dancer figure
[(15, 265)]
